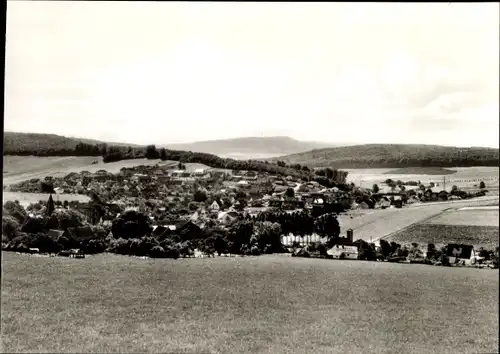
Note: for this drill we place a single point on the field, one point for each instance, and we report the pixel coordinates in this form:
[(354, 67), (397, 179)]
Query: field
[(474, 226), (472, 217), (421, 171), (20, 168), (465, 177), (375, 224), (266, 304), (478, 236)]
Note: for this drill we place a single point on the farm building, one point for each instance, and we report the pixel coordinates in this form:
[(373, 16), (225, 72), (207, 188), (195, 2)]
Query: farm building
[(461, 253), (343, 252)]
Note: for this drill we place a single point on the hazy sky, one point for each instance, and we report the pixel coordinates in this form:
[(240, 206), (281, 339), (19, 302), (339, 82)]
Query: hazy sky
[(176, 72)]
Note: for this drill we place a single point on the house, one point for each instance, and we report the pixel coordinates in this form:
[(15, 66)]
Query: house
[(55, 234), (214, 207), (464, 254), (226, 218), (318, 201), (79, 234), (276, 202), (343, 252), (140, 177)]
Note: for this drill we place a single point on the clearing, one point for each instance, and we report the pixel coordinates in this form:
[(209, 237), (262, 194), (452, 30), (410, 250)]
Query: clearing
[(266, 304)]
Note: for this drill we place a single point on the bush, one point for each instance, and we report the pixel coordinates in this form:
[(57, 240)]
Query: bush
[(157, 252), (10, 227), (366, 251)]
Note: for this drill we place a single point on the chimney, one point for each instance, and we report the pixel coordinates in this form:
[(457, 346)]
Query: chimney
[(350, 235)]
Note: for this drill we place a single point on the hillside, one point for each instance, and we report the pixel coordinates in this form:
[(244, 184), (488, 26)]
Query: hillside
[(250, 147), (394, 156), (50, 145), (15, 143)]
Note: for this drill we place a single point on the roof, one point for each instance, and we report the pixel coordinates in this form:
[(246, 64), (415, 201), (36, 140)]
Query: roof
[(55, 233), (84, 232)]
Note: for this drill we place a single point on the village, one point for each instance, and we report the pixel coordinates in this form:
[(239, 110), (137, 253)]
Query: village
[(177, 197)]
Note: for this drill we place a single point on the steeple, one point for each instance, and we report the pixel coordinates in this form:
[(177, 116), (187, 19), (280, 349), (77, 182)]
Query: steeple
[(50, 205)]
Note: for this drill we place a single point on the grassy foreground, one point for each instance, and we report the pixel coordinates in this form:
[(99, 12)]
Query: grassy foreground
[(266, 304)]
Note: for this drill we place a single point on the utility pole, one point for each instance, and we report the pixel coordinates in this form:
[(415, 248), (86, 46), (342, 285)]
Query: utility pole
[(444, 183)]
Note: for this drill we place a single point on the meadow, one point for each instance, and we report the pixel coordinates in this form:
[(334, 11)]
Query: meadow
[(266, 304), (21, 168), (440, 235)]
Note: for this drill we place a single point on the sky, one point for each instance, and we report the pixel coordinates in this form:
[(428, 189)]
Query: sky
[(153, 72)]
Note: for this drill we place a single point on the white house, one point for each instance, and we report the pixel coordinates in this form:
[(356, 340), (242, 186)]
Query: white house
[(214, 207), (343, 252)]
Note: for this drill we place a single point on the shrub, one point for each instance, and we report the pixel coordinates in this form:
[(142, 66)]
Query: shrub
[(9, 226), (157, 252)]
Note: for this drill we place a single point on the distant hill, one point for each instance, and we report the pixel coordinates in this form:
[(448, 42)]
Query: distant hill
[(250, 147), (394, 156), (25, 143)]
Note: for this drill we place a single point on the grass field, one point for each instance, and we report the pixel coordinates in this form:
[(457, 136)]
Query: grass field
[(375, 224), (21, 168), (423, 234), (267, 304)]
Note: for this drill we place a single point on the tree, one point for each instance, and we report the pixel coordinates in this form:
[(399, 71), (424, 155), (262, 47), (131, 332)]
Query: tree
[(482, 185), (431, 184), (375, 188), (15, 210), (163, 154), (50, 206), (454, 190), (290, 193), (200, 196), (9, 226), (151, 152), (131, 224), (385, 248)]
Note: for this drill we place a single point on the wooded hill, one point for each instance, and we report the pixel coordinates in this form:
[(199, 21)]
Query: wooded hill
[(394, 156)]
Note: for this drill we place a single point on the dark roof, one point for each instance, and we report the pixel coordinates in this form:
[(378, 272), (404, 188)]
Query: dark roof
[(55, 233), (158, 231), (84, 232), (459, 251)]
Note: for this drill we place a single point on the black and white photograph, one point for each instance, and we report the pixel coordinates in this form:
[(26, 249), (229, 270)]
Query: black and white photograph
[(250, 177)]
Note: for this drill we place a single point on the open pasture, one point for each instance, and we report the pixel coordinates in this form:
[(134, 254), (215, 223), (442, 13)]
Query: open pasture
[(22, 168), (266, 304), (478, 217)]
